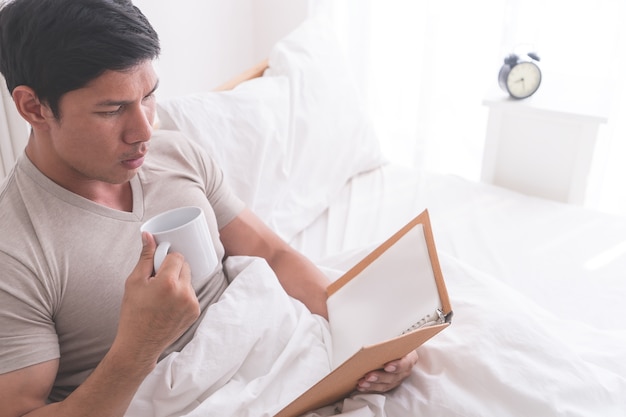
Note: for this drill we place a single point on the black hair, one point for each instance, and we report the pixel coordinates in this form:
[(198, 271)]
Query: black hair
[(56, 46)]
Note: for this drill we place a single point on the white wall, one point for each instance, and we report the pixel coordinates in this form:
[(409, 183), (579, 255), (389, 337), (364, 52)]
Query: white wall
[(206, 42)]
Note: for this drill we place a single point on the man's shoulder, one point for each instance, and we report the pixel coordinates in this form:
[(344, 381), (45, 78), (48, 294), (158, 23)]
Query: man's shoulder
[(6, 182), (17, 191), (172, 139), (10, 190), (173, 150), (174, 144)]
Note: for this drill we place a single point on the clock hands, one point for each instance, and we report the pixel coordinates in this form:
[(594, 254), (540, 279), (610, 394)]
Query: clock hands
[(520, 76)]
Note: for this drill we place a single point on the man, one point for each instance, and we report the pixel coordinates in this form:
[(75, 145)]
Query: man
[(83, 318)]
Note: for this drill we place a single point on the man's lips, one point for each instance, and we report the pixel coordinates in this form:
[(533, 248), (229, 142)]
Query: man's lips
[(134, 162)]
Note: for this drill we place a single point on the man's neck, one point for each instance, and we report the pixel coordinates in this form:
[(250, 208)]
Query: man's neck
[(115, 196)]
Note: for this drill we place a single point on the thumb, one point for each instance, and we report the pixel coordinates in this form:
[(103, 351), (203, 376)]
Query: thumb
[(146, 259)]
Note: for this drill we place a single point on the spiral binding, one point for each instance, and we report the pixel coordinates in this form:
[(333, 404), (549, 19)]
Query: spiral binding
[(428, 320)]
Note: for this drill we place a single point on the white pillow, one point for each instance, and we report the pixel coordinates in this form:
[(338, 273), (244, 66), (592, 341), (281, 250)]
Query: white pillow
[(245, 131), (330, 135), (290, 140)]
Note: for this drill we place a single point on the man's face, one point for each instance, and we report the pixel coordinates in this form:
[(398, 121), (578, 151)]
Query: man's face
[(104, 128)]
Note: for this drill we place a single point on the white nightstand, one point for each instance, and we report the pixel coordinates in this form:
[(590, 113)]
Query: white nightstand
[(544, 145)]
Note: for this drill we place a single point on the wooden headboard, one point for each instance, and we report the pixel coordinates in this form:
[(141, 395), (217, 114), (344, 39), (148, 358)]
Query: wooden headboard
[(253, 72), (14, 130)]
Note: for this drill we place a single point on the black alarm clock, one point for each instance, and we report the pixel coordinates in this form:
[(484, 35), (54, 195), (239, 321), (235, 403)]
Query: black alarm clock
[(520, 76)]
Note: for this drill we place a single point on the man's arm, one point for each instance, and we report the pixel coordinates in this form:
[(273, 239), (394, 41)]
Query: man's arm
[(248, 235), (27, 388), (156, 310), (301, 279), (107, 392)]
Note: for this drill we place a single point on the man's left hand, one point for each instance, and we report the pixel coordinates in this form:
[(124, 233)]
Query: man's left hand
[(390, 376)]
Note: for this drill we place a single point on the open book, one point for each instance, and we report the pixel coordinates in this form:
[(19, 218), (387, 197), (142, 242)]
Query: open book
[(387, 305)]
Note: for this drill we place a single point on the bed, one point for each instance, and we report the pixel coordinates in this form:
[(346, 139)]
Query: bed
[(537, 286)]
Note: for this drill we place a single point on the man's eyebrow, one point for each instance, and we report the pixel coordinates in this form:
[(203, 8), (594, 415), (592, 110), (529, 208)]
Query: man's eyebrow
[(113, 103), (156, 85)]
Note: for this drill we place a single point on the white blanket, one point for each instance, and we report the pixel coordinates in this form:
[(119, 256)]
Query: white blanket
[(257, 349)]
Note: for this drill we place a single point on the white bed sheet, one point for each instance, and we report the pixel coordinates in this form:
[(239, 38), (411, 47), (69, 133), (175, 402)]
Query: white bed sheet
[(521, 341), (503, 356), (569, 260), (537, 288)]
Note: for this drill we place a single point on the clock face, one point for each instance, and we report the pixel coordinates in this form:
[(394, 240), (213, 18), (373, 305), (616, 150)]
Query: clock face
[(523, 79)]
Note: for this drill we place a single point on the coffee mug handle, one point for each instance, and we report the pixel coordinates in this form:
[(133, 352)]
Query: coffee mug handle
[(160, 254)]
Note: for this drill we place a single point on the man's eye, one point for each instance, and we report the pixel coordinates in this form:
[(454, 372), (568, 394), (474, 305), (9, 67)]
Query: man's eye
[(114, 112)]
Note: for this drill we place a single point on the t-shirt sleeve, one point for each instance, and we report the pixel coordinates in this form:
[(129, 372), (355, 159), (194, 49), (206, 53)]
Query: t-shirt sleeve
[(27, 331), (226, 204)]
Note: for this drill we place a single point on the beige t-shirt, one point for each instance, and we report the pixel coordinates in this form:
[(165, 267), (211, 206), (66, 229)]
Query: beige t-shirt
[(64, 259)]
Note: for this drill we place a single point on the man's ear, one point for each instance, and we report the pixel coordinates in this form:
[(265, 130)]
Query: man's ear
[(36, 113)]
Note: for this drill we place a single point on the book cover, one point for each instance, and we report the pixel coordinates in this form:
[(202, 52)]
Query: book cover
[(387, 305)]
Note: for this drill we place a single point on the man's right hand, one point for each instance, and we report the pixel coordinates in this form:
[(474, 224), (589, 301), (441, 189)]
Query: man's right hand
[(156, 309)]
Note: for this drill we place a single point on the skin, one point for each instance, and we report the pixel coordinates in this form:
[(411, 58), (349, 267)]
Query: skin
[(93, 149)]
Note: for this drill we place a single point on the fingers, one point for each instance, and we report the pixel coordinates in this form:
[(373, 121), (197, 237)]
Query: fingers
[(177, 272), (145, 265), (390, 376), (408, 361), (169, 286), (157, 308), (173, 264)]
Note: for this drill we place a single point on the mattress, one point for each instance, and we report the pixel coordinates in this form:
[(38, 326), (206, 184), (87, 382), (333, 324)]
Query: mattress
[(568, 259)]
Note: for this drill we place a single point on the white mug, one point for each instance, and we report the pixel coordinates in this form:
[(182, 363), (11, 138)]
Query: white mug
[(183, 230)]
